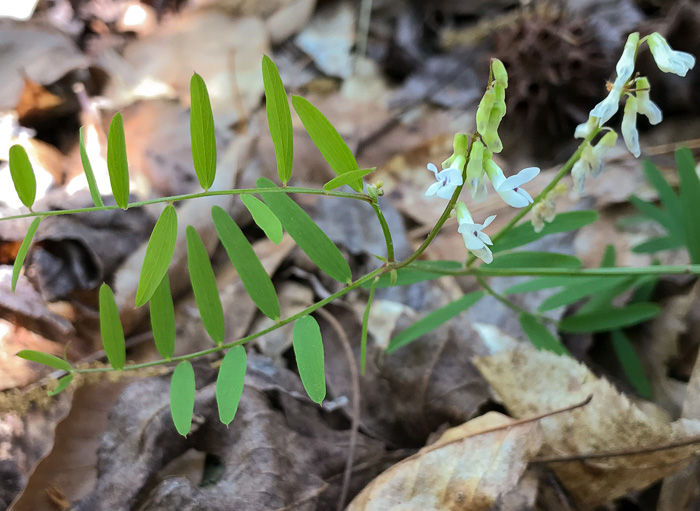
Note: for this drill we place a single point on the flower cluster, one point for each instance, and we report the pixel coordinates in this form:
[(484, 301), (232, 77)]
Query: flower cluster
[(638, 102), (475, 161)]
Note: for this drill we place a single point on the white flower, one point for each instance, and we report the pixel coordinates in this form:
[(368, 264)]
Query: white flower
[(625, 66), (447, 182), (629, 127), (669, 60), (608, 107), (645, 105), (607, 141), (510, 189), (591, 161), (475, 239)]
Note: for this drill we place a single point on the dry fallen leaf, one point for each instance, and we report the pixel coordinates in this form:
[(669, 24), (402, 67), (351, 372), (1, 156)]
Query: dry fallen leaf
[(469, 468), (531, 382)]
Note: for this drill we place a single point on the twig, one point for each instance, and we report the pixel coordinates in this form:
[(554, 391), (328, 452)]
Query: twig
[(355, 381)]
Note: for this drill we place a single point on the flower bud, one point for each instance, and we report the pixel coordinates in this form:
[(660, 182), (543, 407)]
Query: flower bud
[(499, 72)]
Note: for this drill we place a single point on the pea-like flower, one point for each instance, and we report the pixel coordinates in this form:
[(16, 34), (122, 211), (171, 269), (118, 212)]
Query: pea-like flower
[(645, 105), (667, 59), (475, 240), (510, 189), (447, 182), (591, 161)]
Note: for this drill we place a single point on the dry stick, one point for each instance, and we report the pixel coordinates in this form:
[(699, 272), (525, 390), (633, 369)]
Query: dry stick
[(619, 453), (355, 380)]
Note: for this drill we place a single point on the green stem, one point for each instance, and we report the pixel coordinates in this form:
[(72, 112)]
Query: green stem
[(386, 231), (246, 339), (511, 305), (566, 168), (692, 269), (210, 193)]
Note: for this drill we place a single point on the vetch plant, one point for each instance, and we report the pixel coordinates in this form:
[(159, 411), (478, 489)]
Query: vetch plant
[(471, 165)]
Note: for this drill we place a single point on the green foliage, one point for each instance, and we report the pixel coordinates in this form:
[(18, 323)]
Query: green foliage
[(433, 320), (579, 289), (525, 233), (45, 358), (327, 139), (111, 328), (690, 201), (89, 175), (602, 320), (117, 164), (229, 383), (279, 119), (631, 364), (347, 178), (159, 253), (535, 260), (206, 293), (202, 133), (309, 236), (249, 268), (162, 313), (182, 391), (22, 252), (62, 384), (308, 350), (264, 218), (22, 175), (539, 336)]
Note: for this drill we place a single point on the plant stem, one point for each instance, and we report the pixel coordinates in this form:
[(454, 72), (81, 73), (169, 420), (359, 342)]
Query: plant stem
[(210, 193), (692, 269), (386, 231), (511, 305)]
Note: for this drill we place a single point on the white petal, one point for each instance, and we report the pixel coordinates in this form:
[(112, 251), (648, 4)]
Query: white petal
[(520, 178), (488, 221), (451, 176), (433, 189), (432, 168), (608, 107), (484, 254), (479, 191), (651, 110), (525, 195), (483, 237), (513, 199), (471, 242), (446, 191), (629, 127), (469, 228)]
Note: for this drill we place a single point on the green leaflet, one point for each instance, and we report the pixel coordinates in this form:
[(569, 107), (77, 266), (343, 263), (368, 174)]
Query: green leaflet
[(264, 218), (690, 201), (661, 216), (309, 236), (22, 252), (327, 139), (525, 259), (111, 328), (580, 289), (249, 268), (658, 244), (162, 312), (159, 253), (279, 119), (609, 319), (538, 283), (117, 163), (308, 349), (433, 320), (418, 271), (22, 175), (229, 383), (631, 364), (347, 178), (539, 336), (45, 358), (668, 197), (202, 132), (62, 384), (182, 390), (206, 294), (524, 233), (365, 326), (89, 175)]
